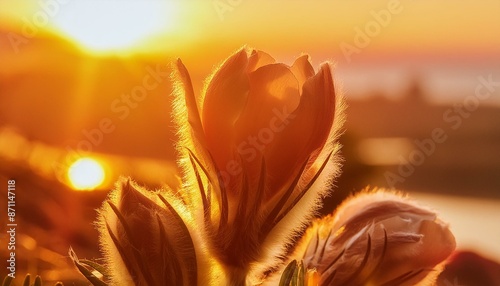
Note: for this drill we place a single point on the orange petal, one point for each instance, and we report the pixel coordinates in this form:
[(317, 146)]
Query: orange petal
[(307, 130), (224, 100), (302, 69), (273, 88), (258, 59)]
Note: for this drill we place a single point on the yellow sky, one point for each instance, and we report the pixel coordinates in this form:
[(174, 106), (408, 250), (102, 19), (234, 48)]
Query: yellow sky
[(285, 27), (416, 26)]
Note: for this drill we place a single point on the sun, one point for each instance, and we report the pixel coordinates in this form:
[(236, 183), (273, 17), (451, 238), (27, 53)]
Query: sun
[(113, 26), (86, 174)]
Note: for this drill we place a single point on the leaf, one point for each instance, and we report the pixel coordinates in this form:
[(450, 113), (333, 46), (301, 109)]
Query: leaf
[(294, 274), (7, 281), (83, 269), (287, 275), (96, 266), (27, 280), (38, 281), (301, 278)]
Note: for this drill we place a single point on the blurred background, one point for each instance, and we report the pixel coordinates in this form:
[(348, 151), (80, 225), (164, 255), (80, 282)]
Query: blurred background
[(85, 97)]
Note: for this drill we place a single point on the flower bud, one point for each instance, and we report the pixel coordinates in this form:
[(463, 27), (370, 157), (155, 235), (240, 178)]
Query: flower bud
[(377, 238), (145, 240)]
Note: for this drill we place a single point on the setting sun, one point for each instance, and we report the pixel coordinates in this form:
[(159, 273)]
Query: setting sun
[(104, 26), (86, 174)]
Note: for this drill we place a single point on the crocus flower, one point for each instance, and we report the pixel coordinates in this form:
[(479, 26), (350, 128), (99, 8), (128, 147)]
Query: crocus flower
[(377, 238), (260, 148)]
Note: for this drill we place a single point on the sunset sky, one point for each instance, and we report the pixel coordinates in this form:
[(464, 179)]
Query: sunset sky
[(422, 28), (374, 43)]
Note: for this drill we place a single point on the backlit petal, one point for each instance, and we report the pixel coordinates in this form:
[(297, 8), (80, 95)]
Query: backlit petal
[(302, 69), (258, 59), (273, 95), (225, 98), (307, 130)]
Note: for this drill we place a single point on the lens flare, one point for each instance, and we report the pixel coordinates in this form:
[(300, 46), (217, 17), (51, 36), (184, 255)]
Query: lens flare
[(86, 174)]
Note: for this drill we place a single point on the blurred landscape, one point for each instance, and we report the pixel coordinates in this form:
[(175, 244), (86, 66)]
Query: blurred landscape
[(426, 120)]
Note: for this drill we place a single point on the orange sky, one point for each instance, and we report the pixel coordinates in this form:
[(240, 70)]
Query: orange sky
[(460, 38), (417, 25), (423, 27)]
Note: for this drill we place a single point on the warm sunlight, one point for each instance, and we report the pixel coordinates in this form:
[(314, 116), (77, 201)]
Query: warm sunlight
[(86, 174), (104, 26)]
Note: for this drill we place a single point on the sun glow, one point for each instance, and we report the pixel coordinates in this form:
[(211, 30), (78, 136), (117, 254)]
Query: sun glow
[(110, 26), (86, 174)]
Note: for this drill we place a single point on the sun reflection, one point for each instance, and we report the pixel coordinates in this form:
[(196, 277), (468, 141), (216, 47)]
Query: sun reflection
[(86, 174), (110, 26)]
